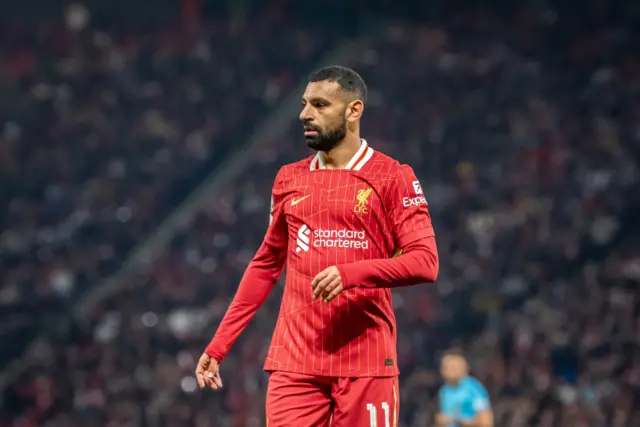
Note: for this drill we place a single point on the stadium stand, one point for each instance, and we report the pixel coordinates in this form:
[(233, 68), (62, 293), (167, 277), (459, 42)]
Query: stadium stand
[(103, 136)]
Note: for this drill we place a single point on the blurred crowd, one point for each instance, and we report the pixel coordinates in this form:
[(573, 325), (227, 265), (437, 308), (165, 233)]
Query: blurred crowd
[(524, 133), (104, 131)]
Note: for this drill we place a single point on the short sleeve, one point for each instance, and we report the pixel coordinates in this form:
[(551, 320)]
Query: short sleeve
[(480, 402), (409, 209), (477, 401), (277, 231)]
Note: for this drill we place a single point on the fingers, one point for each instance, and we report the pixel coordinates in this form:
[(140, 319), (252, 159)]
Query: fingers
[(327, 283), (329, 288), (333, 290), (319, 277), (200, 379), (208, 373), (321, 286), (213, 380), (203, 364)]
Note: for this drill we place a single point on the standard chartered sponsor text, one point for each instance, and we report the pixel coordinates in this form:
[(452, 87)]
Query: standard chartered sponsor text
[(344, 238)]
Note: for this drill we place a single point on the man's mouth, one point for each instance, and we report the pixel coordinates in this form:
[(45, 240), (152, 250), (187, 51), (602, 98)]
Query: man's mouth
[(310, 131)]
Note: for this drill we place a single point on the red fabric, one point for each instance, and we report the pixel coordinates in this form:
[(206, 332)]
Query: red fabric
[(357, 220), (417, 264), (305, 400), (256, 284)]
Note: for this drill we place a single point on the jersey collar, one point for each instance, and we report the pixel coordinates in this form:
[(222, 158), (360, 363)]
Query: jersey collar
[(356, 163)]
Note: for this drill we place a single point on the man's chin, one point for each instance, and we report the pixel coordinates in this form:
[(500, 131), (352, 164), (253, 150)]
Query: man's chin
[(314, 143), (321, 144)]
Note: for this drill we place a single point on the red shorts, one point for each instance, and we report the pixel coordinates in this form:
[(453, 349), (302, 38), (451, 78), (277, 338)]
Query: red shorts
[(297, 400)]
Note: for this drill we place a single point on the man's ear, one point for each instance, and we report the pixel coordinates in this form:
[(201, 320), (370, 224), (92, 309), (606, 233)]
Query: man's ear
[(354, 111)]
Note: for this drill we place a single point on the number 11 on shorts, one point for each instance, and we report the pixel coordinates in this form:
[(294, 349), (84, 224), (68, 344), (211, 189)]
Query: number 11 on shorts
[(373, 414)]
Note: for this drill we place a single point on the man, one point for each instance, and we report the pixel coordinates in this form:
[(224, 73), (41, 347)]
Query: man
[(464, 402), (350, 223)]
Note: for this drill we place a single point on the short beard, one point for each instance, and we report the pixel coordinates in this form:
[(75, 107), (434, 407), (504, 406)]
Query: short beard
[(327, 141)]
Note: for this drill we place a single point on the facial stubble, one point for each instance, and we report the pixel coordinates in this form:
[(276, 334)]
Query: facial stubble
[(328, 140)]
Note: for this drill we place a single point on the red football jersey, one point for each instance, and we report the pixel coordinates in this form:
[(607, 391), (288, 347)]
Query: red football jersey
[(322, 217), (356, 219)]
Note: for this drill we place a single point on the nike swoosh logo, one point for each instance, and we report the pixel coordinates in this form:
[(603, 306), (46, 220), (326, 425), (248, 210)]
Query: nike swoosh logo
[(298, 200)]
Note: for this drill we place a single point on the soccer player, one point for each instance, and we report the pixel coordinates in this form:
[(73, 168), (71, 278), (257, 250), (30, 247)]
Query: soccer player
[(464, 402), (350, 223)]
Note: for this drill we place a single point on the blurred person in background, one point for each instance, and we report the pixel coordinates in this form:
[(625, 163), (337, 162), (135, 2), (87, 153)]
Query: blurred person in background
[(464, 402)]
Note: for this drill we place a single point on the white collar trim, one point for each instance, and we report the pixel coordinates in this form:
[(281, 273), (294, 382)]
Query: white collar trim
[(359, 159)]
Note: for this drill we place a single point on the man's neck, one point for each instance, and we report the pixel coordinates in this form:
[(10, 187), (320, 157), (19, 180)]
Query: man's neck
[(457, 382), (339, 157)]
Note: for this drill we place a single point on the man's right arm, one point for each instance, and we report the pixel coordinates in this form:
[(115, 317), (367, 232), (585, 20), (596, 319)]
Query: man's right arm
[(442, 420), (257, 282)]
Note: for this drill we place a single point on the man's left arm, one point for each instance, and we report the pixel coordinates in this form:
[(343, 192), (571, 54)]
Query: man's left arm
[(409, 215), (418, 259), (482, 419), (478, 412)]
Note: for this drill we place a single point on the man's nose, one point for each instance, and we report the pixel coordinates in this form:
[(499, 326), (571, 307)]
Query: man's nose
[(305, 115)]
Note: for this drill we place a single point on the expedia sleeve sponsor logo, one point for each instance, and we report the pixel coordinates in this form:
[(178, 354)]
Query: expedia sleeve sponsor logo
[(417, 187), (413, 201), (418, 199), (324, 238)]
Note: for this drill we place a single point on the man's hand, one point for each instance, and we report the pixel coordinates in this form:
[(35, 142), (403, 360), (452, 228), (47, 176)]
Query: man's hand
[(474, 423), (328, 283), (444, 421), (208, 372)]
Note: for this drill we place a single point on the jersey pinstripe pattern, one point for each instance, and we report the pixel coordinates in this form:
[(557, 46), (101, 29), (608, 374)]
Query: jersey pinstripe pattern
[(326, 217)]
